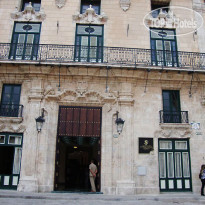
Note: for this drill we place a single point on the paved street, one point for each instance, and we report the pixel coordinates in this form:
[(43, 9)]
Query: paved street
[(19, 198)]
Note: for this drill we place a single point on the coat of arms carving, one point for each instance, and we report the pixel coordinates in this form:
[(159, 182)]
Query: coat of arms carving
[(60, 3), (125, 4)]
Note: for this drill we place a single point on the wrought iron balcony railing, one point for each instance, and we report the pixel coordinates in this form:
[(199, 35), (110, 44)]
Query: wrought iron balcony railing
[(50, 53), (9, 110), (173, 117)]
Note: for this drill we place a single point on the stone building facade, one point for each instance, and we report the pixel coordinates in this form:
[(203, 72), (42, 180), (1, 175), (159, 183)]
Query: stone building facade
[(81, 67)]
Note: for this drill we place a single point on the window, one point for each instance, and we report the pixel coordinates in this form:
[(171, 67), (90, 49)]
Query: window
[(10, 101), (25, 41), (85, 4), (163, 47), (35, 3), (156, 6), (174, 165), (10, 158), (89, 43), (171, 106)]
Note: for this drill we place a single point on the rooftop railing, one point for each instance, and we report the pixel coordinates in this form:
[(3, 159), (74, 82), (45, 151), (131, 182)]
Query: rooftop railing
[(50, 53)]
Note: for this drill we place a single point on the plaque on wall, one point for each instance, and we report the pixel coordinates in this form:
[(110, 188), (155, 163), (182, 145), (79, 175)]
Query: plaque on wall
[(145, 145)]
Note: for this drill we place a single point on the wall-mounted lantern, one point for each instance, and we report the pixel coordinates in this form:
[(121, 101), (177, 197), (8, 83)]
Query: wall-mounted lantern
[(39, 121), (120, 123)]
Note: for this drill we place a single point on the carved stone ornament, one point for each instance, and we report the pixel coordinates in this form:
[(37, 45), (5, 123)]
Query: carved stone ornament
[(82, 97), (29, 14), (12, 124), (125, 4), (90, 17), (60, 3), (163, 20), (174, 132)]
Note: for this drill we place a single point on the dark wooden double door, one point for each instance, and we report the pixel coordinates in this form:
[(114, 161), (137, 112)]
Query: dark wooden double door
[(78, 141)]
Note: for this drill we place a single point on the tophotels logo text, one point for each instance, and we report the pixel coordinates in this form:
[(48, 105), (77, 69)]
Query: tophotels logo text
[(184, 20)]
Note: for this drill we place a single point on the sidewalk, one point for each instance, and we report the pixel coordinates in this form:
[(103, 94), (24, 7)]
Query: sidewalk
[(13, 197)]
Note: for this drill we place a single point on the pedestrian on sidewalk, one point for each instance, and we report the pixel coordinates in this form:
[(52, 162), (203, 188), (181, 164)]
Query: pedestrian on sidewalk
[(93, 172), (202, 177)]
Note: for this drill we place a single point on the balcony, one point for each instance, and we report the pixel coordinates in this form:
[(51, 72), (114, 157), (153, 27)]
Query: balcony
[(174, 117), (9, 110), (102, 56)]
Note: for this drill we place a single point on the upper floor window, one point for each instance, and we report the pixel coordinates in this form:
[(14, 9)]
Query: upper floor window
[(25, 40), (10, 101), (156, 6), (85, 4), (89, 43), (35, 3), (163, 47)]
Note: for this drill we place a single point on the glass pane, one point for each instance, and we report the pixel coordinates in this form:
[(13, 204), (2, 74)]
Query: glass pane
[(163, 184), (30, 28), (165, 144), (162, 165), (15, 140), (15, 180), (171, 184), (179, 184), (93, 47), (17, 160), (159, 47), (175, 100), (178, 166), (94, 6), (170, 164), (17, 89), (6, 180), (82, 29), (186, 170), (89, 30), (84, 47), (20, 45), (29, 45), (187, 184), (168, 53), (181, 145), (37, 6), (2, 139)]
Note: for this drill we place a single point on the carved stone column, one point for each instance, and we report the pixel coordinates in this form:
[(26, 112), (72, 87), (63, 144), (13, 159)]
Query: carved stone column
[(29, 164), (125, 183)]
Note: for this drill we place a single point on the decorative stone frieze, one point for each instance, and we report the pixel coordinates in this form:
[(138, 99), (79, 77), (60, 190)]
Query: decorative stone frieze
[(11, 124), (90, 17), (125, 4), (60, 3), (174, 131), (29, 14), (163, 20), (85, 97)]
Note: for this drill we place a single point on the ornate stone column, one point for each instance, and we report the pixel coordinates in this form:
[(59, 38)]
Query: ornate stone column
[(125, 183), (29, 164)]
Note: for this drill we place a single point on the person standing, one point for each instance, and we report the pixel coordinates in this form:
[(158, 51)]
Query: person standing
[(202, 176), (93, 172)]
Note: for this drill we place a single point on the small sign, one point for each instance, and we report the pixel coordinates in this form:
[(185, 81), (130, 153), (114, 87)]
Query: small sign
[(141, 171), (195, 125), (145, 145)]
